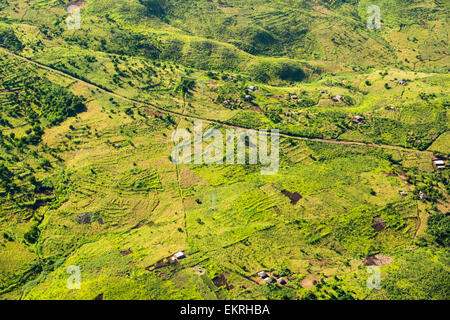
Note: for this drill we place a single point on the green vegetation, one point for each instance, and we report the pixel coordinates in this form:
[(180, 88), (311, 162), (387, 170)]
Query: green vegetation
[(417, 275), (439, 227), (86, 119)]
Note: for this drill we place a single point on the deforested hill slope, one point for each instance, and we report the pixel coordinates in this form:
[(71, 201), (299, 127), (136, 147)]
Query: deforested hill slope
[(412, 34), (282, 35), (87, 123)]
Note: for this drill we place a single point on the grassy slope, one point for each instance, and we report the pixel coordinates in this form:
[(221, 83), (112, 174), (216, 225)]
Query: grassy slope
[(133, 191)]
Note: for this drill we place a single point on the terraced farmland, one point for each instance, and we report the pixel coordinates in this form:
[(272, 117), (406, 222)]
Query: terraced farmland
[(88, 181)]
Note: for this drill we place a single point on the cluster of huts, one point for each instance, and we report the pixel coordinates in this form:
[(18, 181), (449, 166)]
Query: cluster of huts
[(267, 278), (401, 82), (247, 97), (232, 102), (293, 96)]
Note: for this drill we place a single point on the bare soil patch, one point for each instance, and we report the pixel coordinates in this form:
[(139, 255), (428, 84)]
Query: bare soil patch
[(84, 218), (221, 280), (189, 178), (126, 252), (308, 282), (377, 260), (294, 197), (378, 224)]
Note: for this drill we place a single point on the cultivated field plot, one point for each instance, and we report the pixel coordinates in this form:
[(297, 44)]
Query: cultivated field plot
[(88, 177)]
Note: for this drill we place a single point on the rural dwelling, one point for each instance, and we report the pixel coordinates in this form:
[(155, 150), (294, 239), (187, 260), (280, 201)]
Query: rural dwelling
[(178, 256), (402, 82), (423, 195), (439, 161), (252, 88), (262, 274), (267, 279), (358, 119), (337, 98), (439, 164), (403, 193), (281, 281), (323, 91), (294, 97)]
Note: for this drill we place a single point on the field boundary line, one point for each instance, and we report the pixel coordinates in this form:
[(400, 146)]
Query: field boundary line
[(216, 122)]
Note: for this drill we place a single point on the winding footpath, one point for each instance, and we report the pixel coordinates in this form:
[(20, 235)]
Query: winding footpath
[(176, 114)]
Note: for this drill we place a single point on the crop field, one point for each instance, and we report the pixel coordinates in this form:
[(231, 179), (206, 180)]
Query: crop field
[(88, 178)]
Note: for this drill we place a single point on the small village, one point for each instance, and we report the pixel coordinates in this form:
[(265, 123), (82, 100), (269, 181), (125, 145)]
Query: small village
[(267, 277)]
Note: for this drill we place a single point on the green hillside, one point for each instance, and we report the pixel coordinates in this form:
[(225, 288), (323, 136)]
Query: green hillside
[(86, 123)]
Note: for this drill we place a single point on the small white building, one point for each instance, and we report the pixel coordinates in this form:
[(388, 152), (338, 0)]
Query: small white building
[(179, 255), (439, 164), (358, 119), (337, 98), (262, 274)]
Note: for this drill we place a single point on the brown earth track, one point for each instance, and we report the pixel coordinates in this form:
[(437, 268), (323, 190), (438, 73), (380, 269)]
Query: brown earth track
[(176, 114)]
